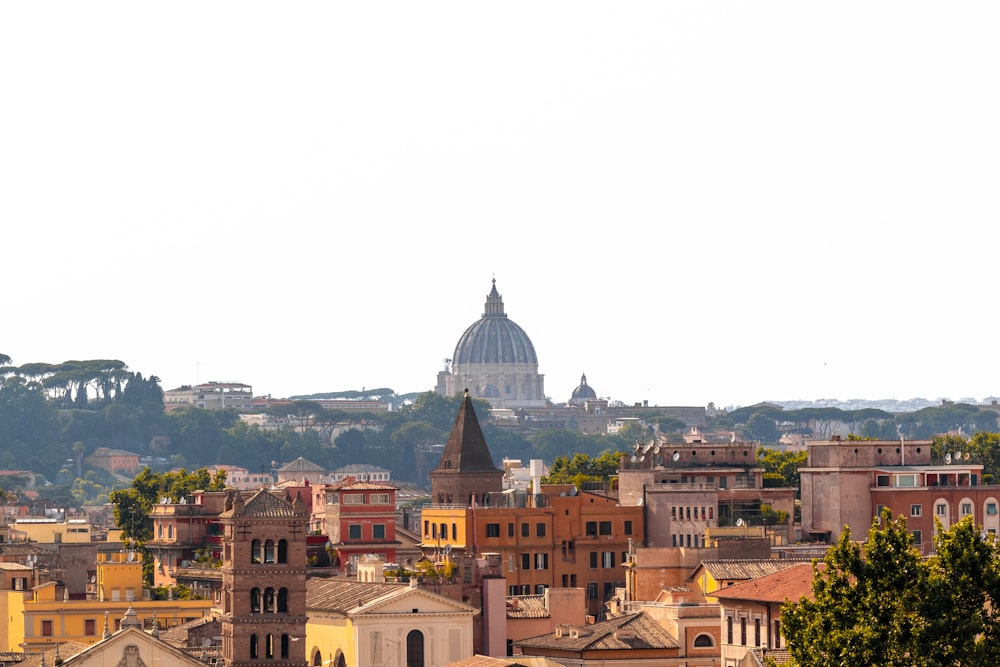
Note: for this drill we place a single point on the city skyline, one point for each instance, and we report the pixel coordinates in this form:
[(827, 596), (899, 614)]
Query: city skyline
[(690, 203)]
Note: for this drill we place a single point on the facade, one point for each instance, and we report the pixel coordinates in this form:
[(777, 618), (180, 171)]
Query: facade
[(359, 472), (353, 623), (301, 471), (210, 396), (848, 482), (494, 360), (51, 531), (751, 611), (115, 460), (263, 610), (358, 518), (185, 531)]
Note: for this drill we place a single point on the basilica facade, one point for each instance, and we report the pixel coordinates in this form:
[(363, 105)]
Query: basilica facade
[(495, 360)]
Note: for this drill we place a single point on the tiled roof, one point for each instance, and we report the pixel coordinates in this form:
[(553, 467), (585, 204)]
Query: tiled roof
[(643, 633), (466, 449), (62, 651), (515, 661), (301, 465), (527, 606), (788, 584), (364, 486), (262, 504), (344, 595), (179, 633), (780, 656), (747, 568)]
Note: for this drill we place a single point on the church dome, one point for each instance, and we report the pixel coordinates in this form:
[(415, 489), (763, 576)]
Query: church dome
[(494, 339), (584, 391)]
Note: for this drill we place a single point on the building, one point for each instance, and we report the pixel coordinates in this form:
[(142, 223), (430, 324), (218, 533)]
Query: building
[(210, 396), (51, 531), (751, 611), (848, 482), (582, 393), (49, 617), (184, 533), (116, 461), (263, 610), (361, 472), (358, 518), (301, 470), (495, 360), (378, 624), (554, 536)]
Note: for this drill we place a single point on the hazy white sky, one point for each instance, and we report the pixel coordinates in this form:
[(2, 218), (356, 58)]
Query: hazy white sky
[(688, 201)]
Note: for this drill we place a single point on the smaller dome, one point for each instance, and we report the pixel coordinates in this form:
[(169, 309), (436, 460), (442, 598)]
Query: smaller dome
[(489, 391), (584, 391)]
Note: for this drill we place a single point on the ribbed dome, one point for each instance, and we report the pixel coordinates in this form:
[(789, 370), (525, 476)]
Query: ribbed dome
[(494, 339), (584, 391)]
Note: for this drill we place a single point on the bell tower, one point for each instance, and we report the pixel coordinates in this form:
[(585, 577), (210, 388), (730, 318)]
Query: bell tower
[(263, 581)]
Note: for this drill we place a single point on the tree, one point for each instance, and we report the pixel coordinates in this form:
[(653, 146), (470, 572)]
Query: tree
[(864, 605), (762, 428), (783, 464)]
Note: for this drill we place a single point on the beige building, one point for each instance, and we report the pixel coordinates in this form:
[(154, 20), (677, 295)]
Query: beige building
[(210, 396), (51, 531)]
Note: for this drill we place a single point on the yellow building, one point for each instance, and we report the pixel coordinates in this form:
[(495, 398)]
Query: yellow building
[(50, 617), (51, 531)]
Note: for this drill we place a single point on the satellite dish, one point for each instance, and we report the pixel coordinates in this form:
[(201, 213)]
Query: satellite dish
[(958, 456), (634, 458), (447, 550), (642, 457), (131, 556), (947, 458), (967, 456), (207, 642), (636, 447), (93, 578), (572, 491), (676, 456), (739, 522), (648, 446), (656, 449)]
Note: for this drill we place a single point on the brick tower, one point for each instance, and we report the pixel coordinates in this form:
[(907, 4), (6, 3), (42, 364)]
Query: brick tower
[(466, 469), (263, 581)]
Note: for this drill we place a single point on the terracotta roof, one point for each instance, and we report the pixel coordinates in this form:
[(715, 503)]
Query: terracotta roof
[(780, 656), (643, 633), (261, 504), (65, 650), (788, 584), (344, 595), (515, 661), (527, 606), (747, 568), (364, 486), (466, 449)]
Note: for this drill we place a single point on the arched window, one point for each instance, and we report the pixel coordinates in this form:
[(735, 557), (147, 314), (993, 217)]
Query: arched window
[(340, 660), (269, 551), (282, 600), (159, 530), (269, 646), (317, 660), (254, 600), (255, 551), (284, 646), (282, 551), (269, 600), (703, 640), (253, 646), (415, 649), (170, 531)]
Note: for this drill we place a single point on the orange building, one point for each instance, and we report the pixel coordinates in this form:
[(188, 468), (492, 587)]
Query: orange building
[(358, 517), (554, 537)]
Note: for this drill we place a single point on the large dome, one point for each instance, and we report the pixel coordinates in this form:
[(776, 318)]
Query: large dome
[(494, 339)]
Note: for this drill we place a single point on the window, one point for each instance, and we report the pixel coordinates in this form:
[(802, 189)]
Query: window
[(284, 646), (540, 529), (608, 559), (941, 509), (282, 551), (966, 509), (591, 529), (444, 531), (254, 600), (379, 499), (253, 646), (90, 627), (353, 499), (255, 551), (729, 629), (282, 600), (592, 591), (628, 527), (493, 530), (917, 536), (605, 528), (703, 640), (46, 628), (525, 531), (354, 531), (525, 561), (540, 589), (756, 632), (415, 649), (541, 561), (510, 529), (991, 509), (743, 631), (269, 646), (881, 480), (916, 510), (269, 551), (593, 560)]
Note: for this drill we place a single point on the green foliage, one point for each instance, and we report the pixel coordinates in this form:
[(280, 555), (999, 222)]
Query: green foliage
[(762, 428), (782, 463), (881, 604), (582, 468)]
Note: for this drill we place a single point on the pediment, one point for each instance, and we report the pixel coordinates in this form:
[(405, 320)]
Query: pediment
[(404, 601), (131, 647)]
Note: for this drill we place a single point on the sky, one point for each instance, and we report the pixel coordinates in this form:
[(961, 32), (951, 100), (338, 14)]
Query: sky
[(690, 202)]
